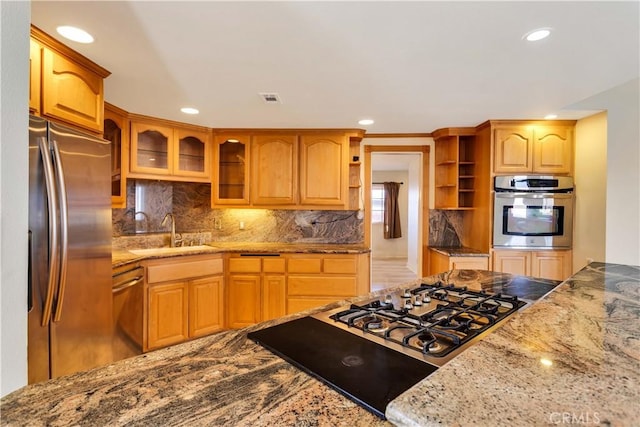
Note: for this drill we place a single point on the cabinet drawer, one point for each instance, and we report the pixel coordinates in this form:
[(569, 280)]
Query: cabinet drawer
[(273, 265), (305, 265), (245, 265), (340, 265), (322, 286), (184, 270)]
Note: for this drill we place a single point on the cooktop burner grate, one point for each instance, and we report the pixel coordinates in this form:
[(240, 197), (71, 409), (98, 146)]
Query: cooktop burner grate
[(433, 319)]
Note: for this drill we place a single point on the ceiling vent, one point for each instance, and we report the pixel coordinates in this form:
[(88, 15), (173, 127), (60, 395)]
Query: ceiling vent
[(271, 98)]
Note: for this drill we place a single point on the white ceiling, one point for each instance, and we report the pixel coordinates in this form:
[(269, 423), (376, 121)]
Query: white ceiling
[(411, 66)]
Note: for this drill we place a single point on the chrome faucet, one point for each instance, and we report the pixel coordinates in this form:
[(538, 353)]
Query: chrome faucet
[(145, 220), (171, 218)]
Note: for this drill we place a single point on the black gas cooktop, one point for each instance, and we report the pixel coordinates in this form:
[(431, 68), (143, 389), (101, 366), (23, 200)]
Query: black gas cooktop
[(374, 351)]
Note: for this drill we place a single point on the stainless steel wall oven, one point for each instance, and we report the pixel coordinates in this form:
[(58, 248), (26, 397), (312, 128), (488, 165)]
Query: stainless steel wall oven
[(533, 211)]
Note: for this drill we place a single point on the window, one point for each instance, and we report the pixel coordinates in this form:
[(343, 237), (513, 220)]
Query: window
[(377, 203)]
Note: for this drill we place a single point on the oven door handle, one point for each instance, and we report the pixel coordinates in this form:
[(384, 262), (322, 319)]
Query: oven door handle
[(510, 195)]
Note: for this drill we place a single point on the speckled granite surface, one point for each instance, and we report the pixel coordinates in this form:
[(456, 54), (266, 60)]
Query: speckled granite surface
[(219, 380), (123, 256), (588, 328), (571, 358), (458, 251), (223, 379)]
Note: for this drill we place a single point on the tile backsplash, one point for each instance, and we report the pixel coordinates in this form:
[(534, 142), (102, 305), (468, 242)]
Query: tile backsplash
[(445, 228), (149, 201)]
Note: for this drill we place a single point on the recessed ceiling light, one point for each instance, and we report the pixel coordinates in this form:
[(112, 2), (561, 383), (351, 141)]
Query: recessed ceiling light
[(74, 34), (537, 34), (551, 116), (189, 110), (365, 122)]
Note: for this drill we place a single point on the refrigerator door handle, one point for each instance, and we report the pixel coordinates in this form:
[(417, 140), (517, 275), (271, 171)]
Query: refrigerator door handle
[(53, 229), (64, 229)]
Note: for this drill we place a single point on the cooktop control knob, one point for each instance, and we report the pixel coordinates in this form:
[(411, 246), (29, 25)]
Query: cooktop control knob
[(406, 294), (426, 298), (407, 304), (417, 301), (387, 299)]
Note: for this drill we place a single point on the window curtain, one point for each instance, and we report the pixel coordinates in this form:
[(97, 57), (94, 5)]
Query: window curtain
[(391, 211)]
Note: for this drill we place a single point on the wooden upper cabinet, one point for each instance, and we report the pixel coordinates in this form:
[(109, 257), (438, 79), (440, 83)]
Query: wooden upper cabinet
[(533, 147), (231, 160), (35, 74), (324, 169), (151, 149), (553, 149), (161, 149), (193, 153), (288, 169), (71, 92), (513, 149), (456, 157), (274, 169), (70, 86), (116, 130)]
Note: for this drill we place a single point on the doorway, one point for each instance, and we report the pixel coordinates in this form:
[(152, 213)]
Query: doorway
[(399, 260)]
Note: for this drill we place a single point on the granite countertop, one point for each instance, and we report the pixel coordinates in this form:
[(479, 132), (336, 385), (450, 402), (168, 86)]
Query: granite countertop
[(121, 257), (571, 358), (458, 251), (588, 327)]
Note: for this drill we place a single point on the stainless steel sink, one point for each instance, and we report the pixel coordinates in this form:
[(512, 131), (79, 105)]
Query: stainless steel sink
[(170, 251)]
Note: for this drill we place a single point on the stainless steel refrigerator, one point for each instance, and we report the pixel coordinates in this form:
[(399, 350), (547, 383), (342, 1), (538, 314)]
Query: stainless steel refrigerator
[(69, 287)]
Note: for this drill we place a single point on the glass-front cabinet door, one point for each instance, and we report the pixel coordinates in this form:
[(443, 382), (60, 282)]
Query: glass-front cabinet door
[(151, 149), (193, 158), (116, 130), (231, 174), (177, 153)]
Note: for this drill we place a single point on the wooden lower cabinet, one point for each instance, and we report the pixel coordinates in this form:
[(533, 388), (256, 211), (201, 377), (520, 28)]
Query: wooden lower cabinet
[(439, 262), (548, 264), (168, 314), (243, 297), (184, 299), (274, 302), (257, 289), (317, 279), (206, 306), (267, 287)]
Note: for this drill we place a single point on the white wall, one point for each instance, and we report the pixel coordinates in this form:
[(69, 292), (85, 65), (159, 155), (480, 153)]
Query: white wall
[(591, 190), (392, 248), (14, 166), (409, 141), (622, 104), (414, 230)]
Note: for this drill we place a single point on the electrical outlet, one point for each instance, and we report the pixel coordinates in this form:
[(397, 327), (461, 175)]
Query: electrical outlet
[(217, 224), (241, 225)]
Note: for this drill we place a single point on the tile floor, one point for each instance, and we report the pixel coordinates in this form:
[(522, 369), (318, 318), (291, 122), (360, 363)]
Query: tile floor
[(389, 272)]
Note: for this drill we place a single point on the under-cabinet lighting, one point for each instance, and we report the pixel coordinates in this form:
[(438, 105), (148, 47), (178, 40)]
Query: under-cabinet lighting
[(365, 122), (232, 140), (551, 116), (537, 34), (74, 34), (189, 110), (546, 362)]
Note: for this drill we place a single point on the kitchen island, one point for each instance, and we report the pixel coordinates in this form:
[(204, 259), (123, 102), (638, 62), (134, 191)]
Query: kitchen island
[(574, 353)]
